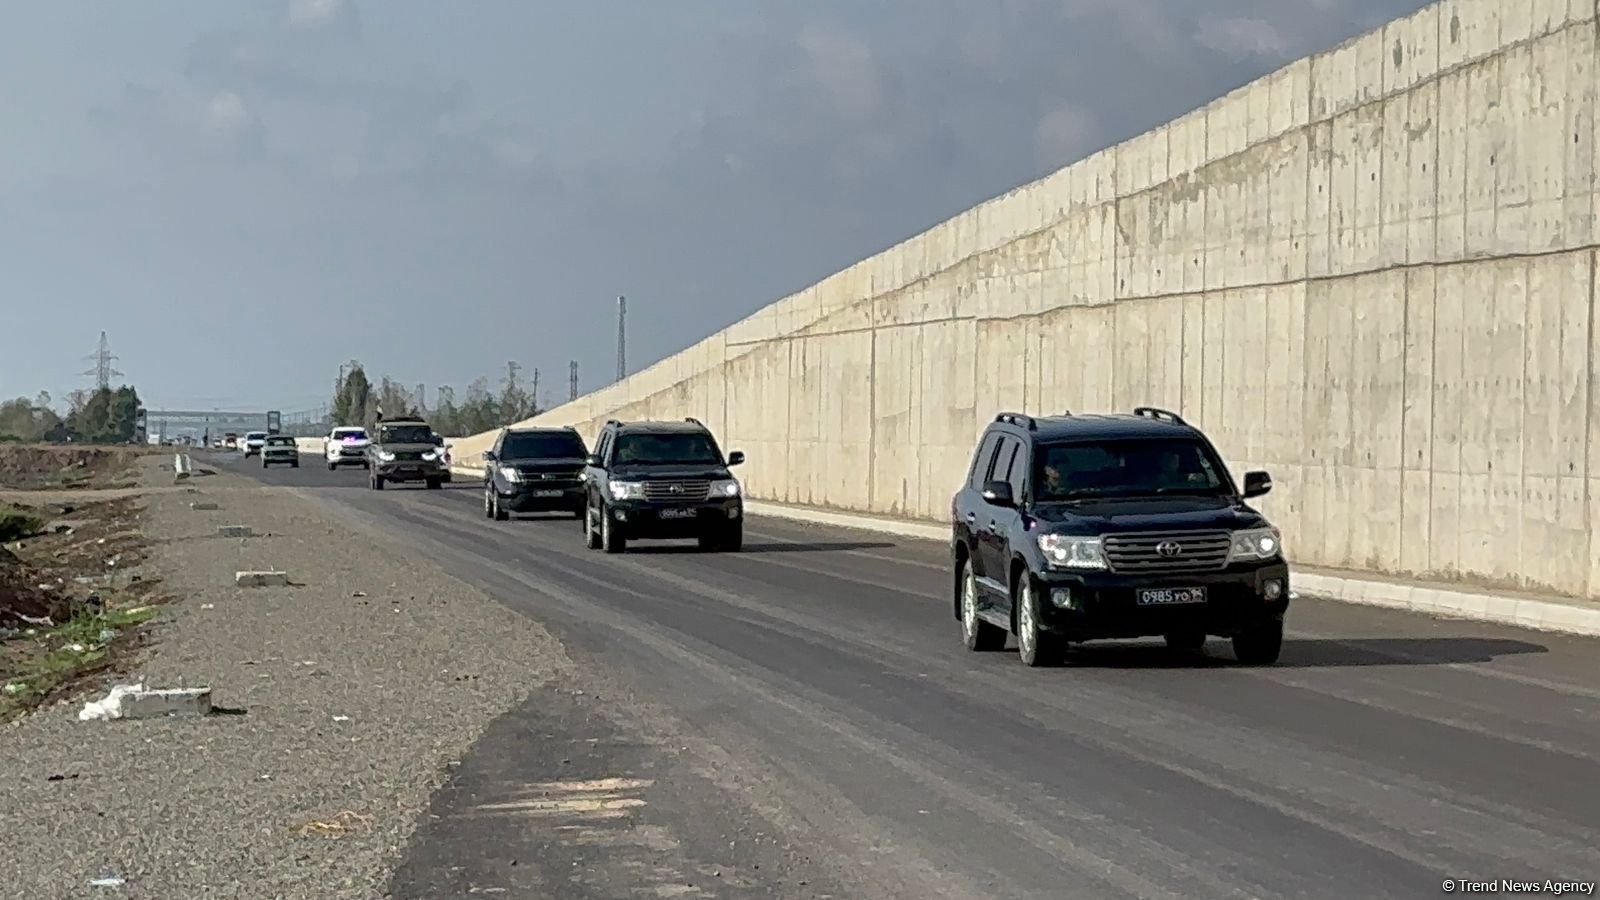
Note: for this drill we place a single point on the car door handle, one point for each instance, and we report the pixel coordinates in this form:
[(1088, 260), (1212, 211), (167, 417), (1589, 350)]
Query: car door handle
[(971, 517), (994, 526)]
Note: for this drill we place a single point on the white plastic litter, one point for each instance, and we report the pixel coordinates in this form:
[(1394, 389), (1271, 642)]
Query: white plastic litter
[(111, 706), (108, 881)]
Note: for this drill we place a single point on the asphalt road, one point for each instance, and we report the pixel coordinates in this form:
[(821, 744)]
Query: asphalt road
[(800, 719)]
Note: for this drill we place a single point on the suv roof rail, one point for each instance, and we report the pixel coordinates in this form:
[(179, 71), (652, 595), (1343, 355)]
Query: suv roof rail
[(693, 420), (1011, 418), (1152, 412)]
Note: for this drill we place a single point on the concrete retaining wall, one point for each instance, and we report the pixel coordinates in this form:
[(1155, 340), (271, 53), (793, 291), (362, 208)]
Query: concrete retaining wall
[(1371, 272)]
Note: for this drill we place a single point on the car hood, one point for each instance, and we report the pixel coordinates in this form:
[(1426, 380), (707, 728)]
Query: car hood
[(1148, 514), (655, 472)]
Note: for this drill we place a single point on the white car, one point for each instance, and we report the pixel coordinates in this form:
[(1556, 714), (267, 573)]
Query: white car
[(346, 446), (253, 442)]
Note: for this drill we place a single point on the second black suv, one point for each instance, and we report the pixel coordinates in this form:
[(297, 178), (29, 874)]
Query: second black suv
[(1073, 528), (534, 470), (661, 480)]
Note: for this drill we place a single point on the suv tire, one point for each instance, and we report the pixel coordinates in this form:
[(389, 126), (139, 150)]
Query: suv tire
[(591, 536), (978, 636), (1186, 641), (610, 541), (488, 501), (1037, 648), (1259, 645), (376, 481), (435, 484), (332, 465)]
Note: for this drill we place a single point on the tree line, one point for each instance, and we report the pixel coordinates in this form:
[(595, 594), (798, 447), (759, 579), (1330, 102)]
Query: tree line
[(357, 401), (102, 416)]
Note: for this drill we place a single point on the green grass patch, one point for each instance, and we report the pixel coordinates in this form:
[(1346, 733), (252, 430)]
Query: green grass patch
[(16, 524), (35, 667)]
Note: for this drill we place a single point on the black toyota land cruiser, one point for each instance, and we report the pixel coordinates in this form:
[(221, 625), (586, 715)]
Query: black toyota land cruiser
[(661, 480), (534, 470), (1079, 527)]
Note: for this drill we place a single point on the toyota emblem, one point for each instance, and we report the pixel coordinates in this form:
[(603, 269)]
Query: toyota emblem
[(1169, 548), (676, 489)]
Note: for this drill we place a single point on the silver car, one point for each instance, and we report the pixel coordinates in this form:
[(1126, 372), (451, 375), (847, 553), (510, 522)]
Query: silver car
[(280, 449)]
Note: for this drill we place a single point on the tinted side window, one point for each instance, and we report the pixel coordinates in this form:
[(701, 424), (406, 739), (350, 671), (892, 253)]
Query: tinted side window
[(1015, 464), (983, 461), (603, 446)]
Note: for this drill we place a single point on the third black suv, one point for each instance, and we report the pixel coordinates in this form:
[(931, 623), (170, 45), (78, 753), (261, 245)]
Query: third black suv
[(534, 470), (1072, 528), (661, 480)]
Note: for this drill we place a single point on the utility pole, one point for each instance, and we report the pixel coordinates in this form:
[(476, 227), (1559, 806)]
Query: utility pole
[(572, 379), (622, 338), (534, 399), (512, 368)]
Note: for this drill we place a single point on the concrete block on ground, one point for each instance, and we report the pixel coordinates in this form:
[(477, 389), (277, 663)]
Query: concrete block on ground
[(236, 531), (203, 505), (133, 701), (261, 579)]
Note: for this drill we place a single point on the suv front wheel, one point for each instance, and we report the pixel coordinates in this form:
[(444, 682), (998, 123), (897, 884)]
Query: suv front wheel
[(1035, 646), (610, 541), (727, 539), (1259, 645)]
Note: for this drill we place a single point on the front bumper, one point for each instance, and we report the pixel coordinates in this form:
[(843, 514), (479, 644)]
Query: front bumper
[(648, 519), (409, 470), (348, 455), (540, 496), (1092, 605), (278, 456)]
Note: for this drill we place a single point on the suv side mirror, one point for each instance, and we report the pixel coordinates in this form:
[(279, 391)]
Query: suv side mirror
[(490, 456), (998, 493), (1256, 484), (736, 457), (592, 459)]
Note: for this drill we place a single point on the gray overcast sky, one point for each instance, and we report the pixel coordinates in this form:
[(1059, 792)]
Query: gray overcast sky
[(246, 194)]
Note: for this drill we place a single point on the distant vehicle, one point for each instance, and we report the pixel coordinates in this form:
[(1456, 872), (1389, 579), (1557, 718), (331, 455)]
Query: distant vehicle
[(661, 480), (346, 446), (534, 470), (1083, 527), (253, 442), (280, 449), (230, 440), (402, 451)]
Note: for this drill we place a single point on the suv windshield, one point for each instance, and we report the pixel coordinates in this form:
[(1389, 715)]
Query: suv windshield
[(255, 435), (542, 445), (684, 447), (354, 434), (408, 433), (1130, 468), (276, 441)]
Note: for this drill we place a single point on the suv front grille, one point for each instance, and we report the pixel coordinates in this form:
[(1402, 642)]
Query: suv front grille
[(408, 455), (677, 491), (1197, 551)]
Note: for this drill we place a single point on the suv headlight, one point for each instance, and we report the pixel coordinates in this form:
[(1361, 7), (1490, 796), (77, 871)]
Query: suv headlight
[(727, 487), (511, 474), (430, 455), (1255, 543), (627, 490), (386, 456), (1063, 551)]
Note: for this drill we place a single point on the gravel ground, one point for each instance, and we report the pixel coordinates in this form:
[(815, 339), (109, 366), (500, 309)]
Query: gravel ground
[(212, 808)]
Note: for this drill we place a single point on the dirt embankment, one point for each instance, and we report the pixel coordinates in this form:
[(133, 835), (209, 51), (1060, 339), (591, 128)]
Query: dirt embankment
[(68, 581), (67, 467)]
